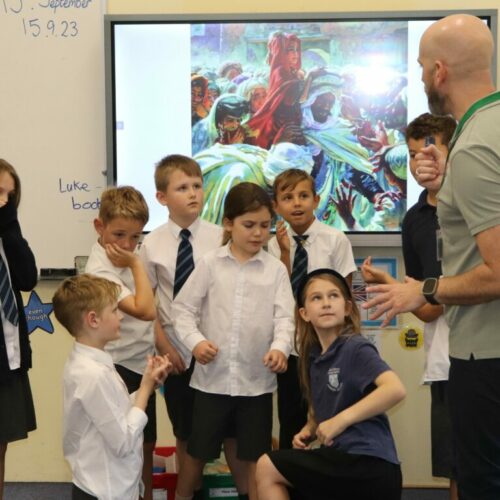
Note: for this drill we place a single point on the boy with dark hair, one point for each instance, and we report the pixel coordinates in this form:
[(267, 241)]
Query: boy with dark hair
[(422, 260), (425, 125)]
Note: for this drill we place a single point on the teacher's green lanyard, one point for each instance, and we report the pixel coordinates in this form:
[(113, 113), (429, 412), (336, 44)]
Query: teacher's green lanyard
[(485, 101)]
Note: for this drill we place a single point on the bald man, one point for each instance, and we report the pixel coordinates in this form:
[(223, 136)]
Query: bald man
[(456, 56)]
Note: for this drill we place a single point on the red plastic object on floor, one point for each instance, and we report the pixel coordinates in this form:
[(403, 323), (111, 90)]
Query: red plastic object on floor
[(165, 480)]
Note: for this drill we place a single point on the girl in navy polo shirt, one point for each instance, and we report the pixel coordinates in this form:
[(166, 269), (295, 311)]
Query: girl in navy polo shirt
[(348, 387)]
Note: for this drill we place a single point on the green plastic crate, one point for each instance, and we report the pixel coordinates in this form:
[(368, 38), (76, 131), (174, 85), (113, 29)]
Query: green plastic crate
[(219, 486)]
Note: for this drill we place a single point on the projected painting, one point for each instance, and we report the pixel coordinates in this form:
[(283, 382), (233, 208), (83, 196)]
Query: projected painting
[(325, 97)]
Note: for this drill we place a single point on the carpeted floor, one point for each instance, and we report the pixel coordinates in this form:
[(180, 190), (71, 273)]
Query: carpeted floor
[(37, 491), (62, 491)]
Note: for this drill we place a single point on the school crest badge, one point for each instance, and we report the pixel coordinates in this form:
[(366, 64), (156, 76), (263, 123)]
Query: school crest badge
[(334, 382)]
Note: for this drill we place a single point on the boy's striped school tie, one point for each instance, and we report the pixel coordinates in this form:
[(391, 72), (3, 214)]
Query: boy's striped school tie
[(185, 262), (299, 269)]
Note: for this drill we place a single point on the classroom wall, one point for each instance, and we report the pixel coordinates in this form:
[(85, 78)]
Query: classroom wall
[(40, 457)]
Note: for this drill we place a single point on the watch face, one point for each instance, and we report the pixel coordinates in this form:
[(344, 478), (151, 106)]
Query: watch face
[(430, 285)]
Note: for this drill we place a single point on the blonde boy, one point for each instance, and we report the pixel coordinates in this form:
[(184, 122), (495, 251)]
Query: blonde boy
[(295, 200), (122, 216), (179, 186), (103, 424)]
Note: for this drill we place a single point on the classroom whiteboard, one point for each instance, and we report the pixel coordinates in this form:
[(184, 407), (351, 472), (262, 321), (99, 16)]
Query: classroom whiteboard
[(52, 120)]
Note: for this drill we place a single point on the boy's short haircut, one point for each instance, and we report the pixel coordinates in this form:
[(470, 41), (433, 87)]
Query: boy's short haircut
[(427, 124), (289, 179), (123, 201), (80, 294), (171, 163)]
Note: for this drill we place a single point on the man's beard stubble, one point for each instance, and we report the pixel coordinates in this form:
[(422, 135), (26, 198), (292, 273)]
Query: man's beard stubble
[(436, 102)]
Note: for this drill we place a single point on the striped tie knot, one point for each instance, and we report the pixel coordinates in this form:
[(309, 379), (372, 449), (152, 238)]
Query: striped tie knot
[(300, 239)]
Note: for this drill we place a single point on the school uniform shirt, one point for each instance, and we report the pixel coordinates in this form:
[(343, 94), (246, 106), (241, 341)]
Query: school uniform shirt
[(326, 247), (342, 376), (245, 310), (102, 430), (159, 254), (436, 345), (10, 331), (136, 340)]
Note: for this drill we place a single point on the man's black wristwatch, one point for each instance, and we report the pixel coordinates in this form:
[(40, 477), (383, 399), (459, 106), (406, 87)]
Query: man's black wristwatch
[(429, 289)]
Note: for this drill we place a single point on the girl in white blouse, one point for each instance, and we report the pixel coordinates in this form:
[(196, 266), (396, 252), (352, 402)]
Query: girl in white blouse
[(235, 314)]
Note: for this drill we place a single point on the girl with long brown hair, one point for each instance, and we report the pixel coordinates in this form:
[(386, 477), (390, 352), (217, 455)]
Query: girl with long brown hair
[(17, 273), (346, 449)]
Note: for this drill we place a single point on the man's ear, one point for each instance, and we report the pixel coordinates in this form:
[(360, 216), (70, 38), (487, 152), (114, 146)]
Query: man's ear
[(440, 73)]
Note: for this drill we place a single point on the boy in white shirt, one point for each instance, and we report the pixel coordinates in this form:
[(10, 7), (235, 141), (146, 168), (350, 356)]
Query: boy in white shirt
[(295, 200), (122, 215), (103, 424), (179, 186)]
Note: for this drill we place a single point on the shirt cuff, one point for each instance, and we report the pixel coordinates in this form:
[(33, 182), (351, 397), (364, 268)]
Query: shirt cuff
[(281, 345), (137, 417), (192, 340)]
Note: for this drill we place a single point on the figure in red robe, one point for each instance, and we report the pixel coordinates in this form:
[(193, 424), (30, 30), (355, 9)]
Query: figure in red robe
[(280, 113)]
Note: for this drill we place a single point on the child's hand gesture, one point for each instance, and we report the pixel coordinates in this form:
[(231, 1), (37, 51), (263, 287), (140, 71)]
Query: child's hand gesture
[(157, 369), (161, 368), (282, 236), (276, 361), (302, 439), (120, 257), (331, 428), (205, 351)]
